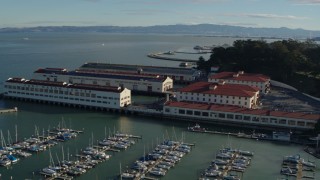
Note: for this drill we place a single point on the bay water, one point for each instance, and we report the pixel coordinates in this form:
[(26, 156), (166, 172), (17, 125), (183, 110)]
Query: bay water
[(23, 53)]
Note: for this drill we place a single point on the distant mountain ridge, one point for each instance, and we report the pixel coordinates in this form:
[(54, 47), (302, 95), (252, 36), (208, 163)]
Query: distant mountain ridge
[(201, 29)]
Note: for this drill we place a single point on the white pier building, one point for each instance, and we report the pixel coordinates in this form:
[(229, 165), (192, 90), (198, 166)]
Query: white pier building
[(97, 96)]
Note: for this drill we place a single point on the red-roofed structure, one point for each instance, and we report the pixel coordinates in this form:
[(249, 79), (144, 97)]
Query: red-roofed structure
[(219, 93), (240, 115), (256, 80)]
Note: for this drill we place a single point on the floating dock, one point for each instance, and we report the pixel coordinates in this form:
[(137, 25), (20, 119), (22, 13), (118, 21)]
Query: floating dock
[(15, 109)]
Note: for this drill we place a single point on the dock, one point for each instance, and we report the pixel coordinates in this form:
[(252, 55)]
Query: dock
[(15, 109), (157, 56)]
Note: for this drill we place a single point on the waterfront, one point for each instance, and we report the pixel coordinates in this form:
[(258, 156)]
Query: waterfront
[(21, 58), (267, 159)]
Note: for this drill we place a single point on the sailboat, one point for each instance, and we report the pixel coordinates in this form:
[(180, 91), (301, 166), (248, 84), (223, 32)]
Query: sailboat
[(50, 170)]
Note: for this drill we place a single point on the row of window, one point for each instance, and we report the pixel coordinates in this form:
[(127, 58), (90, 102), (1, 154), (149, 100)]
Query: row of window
[(243, 117), (214, 101), (61, 97), (187, 94), (59, 91)]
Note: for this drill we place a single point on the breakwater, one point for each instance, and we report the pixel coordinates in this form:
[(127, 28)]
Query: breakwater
[(157, 56)]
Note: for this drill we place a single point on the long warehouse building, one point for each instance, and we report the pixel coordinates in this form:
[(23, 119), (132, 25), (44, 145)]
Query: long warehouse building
[(135, 83), (179, 75)]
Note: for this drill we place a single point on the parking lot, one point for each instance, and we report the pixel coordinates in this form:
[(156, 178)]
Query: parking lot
[(289, 100)]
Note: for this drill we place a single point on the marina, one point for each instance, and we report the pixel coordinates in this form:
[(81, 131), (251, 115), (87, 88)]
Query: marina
[(296, 166), (229, 164), (11, 150), (88, 158)]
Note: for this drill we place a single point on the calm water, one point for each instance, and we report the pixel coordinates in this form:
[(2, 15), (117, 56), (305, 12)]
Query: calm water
[(21, 57)]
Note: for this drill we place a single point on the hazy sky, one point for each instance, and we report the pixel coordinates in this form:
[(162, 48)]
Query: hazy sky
[(250, 13)]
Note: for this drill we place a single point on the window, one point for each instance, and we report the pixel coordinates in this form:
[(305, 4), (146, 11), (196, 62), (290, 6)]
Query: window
[(265, 120), (221, 115), (189, 112), (238, 117), (273, 120), (182, 111), (310, 124), (300, 123), (213, 114), (230, 116), (292, 122), (197, 113), (205, 114), (246, 118), (255, 119), (167, 109), (282, 121)]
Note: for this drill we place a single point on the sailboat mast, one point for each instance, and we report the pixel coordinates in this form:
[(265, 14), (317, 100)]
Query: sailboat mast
[(16, 127)]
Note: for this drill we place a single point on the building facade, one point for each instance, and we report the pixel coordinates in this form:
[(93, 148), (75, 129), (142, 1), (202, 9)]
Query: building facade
[(233, 115), (74, 94), (220, 93), (256, 80), (134, 83)]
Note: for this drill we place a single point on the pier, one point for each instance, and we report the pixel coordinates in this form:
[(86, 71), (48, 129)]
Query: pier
[(157, 56), (15, 109), (156, 164)]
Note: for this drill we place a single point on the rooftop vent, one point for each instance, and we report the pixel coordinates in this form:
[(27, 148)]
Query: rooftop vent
[(221, 82), (213, 87)]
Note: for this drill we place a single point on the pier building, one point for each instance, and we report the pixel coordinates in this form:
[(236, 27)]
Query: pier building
[(179, 75), (234, 115), (256, 80), (135, 83), (63, 93), (220, 93)]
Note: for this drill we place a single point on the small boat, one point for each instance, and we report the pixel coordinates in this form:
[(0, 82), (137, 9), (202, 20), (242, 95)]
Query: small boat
[(292, 159), (5, 161), (308, 164), (213, 173), (220, 162), (157, 173), (49, 171), (231, 177), (12, 158), (126, 175), (224, 155), (196, 128)]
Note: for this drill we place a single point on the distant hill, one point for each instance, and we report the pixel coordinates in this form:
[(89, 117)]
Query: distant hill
[(201, 29)]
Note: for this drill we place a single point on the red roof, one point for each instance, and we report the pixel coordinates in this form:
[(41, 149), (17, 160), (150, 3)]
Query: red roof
[(241, 77), (236, 109), (221, 89)]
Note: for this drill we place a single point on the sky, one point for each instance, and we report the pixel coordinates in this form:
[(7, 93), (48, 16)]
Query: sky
[(294, 14)]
